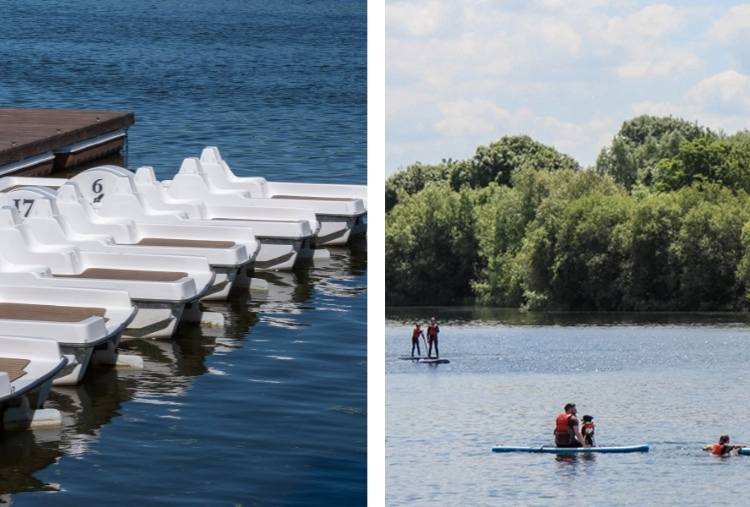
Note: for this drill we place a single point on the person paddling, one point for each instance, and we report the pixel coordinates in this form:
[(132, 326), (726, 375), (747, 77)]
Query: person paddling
[(415, 334), (567, 433), (723, 447), (432, 337)]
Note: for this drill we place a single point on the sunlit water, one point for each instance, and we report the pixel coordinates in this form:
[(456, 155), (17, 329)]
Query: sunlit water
[(672, 382), (270, 410)]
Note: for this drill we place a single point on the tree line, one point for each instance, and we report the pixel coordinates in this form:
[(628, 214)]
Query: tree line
[(659, 223)]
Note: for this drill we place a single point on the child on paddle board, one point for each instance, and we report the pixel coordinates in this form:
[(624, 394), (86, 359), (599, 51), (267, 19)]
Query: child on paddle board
[(415, 334), (587, 430), (432, 337)]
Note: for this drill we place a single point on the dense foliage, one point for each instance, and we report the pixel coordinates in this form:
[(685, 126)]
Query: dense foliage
[(662, 222)]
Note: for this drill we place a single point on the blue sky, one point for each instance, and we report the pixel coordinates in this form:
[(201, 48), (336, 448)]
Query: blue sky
[(568, 73)]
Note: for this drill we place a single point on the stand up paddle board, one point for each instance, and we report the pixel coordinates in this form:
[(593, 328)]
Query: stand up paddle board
[(571, 450), (743, 451), (434, 360), (423, 359)]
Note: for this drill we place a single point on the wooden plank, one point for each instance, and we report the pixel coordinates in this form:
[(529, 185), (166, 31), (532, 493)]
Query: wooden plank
[(308, 198), (257, 220), (48, 313), (195, 243), (129, 274), (37, 131), (13, 367)]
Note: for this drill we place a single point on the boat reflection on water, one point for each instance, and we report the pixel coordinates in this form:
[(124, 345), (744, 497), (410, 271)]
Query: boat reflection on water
[(288, 292), (84, 408)]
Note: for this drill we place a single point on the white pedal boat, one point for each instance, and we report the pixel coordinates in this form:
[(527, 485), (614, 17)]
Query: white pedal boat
[(41, 209), (282, 233), (160, 285), (86, 323), (197, 180), (112, 195), (27, 367), (223, 177)]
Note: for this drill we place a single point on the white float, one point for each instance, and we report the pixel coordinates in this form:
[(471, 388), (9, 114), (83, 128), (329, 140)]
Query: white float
[(30, 366)]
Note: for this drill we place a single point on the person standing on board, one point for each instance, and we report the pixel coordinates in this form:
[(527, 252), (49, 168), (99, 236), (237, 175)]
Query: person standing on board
[(723, 448), (567, 433), (432, 338), (415, 334)]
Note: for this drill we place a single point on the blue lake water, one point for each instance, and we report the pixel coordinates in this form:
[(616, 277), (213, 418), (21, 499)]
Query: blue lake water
[(270, 410), (674, 382)]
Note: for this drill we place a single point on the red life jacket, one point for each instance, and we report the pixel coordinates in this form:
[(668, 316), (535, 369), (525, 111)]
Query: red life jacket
[(562, 424), (416, 332), (586, 426), (432, 330), (718, 449)]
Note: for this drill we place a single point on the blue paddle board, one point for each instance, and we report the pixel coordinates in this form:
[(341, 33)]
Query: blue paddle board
[(434, 360), (571, 450), (423, 359)]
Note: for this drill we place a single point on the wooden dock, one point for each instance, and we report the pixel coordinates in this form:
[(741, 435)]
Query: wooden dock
[(35, 142)]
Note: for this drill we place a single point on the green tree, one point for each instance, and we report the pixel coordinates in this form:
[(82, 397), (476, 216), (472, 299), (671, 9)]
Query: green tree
[(413, 179), (497, 162), (431, 250), (641, 143)]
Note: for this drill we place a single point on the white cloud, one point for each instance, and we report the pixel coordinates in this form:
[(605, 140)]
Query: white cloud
[(418, 19), (470, 117), (727, 89), (659, 61), (565, 72), (735, 23)]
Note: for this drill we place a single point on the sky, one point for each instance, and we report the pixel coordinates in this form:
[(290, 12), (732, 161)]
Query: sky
[(463, 73)]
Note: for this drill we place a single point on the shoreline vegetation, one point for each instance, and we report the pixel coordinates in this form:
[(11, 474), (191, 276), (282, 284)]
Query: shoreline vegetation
[(658, 223)]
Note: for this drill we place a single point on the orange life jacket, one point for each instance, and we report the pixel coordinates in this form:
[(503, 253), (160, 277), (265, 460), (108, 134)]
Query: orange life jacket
[(718, 449), (562, 424), (432, 330), (416, 332)]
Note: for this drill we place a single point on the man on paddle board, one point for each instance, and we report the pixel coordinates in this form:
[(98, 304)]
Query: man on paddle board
[(432, 337), (567, 433), (415, 334)]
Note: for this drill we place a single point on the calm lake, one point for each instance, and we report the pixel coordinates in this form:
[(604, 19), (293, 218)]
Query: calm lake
[(270, 410), (672, 381)]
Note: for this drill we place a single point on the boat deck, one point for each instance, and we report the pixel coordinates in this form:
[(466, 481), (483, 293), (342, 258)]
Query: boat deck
[(48, 313), (193, 243), (13, 367), (310, 198), (128, 274)]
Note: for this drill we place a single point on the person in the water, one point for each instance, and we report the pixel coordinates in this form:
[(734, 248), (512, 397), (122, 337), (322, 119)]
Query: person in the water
[(567, 433), (723, 447)]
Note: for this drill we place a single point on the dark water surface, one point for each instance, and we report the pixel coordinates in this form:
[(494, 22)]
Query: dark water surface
[(270, 410), (672, 381)]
